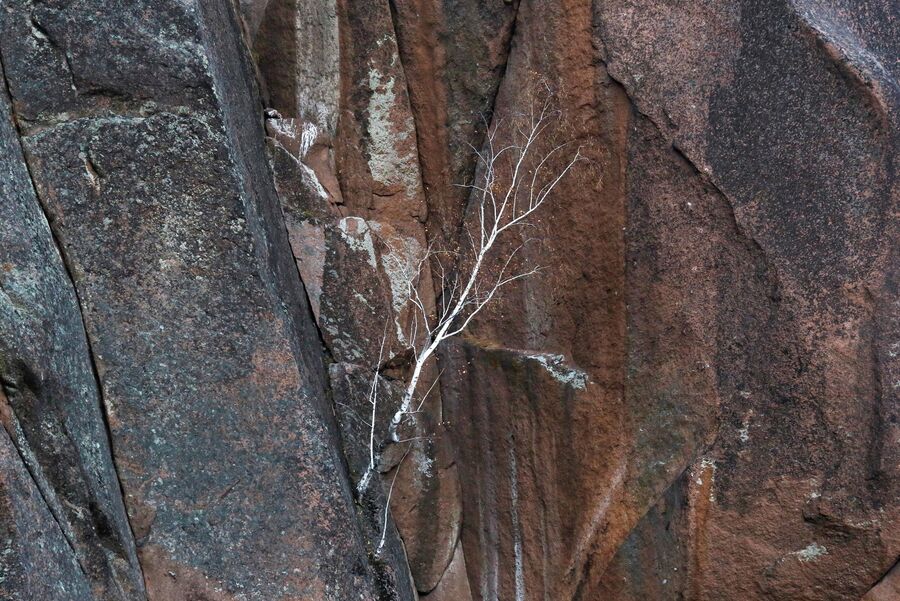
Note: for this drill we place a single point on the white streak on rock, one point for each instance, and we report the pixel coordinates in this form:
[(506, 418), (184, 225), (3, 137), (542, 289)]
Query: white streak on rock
[(356, 233), (307, 138), (518, 555), (556, 366)]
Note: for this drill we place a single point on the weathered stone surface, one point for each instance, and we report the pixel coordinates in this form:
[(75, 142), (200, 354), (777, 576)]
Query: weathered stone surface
[(540, 435), (454, 585), (758, 273), (51, 404), (377, 146), (695, 399), (209, 364), (887, 587), (380, 168), (792, 117), (354, 269), (297, 52), (563, 450), (355, 221), (356, 272), (36, 561), (426, 503), (353, 392), (653, 551), (454, 56), (351, 387), (418, 473)]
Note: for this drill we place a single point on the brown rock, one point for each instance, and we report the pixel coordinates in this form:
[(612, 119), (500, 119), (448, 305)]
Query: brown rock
[(296, 50), (695, 399), (454, 584), (454, 55), (376, 147), (887, 588), (802, 407), (533, 509), (355, 246), (758, 300), (426, 505)]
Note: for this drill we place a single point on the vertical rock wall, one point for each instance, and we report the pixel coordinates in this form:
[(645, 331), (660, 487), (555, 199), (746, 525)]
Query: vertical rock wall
[(144, 141), (207, 211), (759, 206), (58, 471)]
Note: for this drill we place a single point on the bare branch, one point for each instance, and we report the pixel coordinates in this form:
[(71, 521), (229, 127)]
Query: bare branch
[(513, 180), (387, 503), (373, 399)]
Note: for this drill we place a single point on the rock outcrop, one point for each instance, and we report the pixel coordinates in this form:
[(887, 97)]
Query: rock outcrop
[(145, 145), (209, 212)]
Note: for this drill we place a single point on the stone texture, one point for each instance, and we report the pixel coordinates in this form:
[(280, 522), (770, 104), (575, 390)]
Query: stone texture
[(758, 307), (887, 587), (797, 134), (454, 56), (297, 50), (377, 145), (426, 503), (37, 561), (560, 449), (695, 399), (51, 407), (354, 207), (209, 364), (353, 391), (356, 271), (351, 387), (454, 585), (531, 500)]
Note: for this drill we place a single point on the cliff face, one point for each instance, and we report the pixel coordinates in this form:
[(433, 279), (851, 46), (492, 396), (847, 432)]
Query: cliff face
[(207, 215)]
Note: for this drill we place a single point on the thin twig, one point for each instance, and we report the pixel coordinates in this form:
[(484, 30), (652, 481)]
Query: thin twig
[(387, 503)]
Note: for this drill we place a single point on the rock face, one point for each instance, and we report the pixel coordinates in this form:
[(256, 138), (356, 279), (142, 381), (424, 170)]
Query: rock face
[(157, 188), (56, 445), (209, 212), (38, 562)]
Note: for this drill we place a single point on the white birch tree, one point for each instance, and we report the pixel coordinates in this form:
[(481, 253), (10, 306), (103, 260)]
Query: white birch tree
[(513, 182)]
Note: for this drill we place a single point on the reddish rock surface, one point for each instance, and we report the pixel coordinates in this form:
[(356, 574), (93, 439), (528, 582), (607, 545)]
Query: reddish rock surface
[(206, 212)]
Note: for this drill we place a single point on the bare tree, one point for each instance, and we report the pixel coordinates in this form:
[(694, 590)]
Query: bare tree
[(512, 183)]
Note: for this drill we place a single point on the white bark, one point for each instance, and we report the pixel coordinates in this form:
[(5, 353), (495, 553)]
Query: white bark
[(501, 207), (512, 185)]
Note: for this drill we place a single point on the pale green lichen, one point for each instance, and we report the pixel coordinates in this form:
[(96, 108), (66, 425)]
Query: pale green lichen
[(400, 264), (392, 160), (811, 552)]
